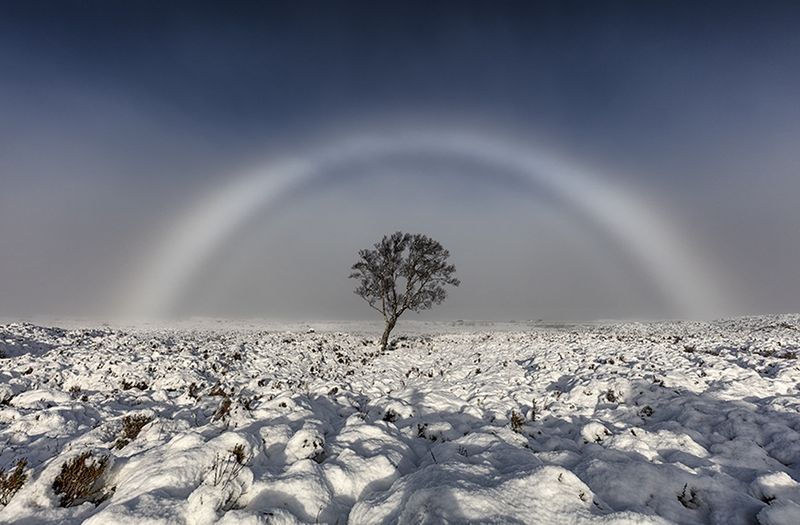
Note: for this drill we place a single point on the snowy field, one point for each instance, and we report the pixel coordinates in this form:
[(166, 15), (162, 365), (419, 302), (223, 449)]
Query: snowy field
[(514, 423)]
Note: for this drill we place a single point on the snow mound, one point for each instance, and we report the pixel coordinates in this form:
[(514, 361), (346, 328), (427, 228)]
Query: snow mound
[(466, 493)]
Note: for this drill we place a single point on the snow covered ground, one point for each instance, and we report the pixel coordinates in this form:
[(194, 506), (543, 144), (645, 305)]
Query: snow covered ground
[(519, 423)]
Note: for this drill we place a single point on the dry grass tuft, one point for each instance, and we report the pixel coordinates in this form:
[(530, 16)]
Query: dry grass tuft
[(238, 454), (517, 421), (131, 426), (12, 481), (226, 468), (223, 410), (77, 482)]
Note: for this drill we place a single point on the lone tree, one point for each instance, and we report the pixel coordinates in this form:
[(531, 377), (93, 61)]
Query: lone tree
[(403, 272)]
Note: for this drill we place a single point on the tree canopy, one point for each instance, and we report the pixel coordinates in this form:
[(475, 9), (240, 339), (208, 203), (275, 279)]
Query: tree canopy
[(403, 272)]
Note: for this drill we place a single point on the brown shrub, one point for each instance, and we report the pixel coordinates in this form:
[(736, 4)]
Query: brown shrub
[(517, 421), (131, 426), (238, 454), (226, 467), (12, 481), (194, 391), (77, 482), (217, 390), (224, 409)]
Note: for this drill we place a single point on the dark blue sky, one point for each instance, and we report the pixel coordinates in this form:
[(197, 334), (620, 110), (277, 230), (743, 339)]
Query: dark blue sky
[(234, 60), (116, 114), (593, 70)]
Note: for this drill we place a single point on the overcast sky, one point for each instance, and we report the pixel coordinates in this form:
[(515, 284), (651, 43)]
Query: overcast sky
[(118, 120)]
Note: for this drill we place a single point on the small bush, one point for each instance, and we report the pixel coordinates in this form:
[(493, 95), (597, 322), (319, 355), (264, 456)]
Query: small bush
[(131, 426), (691, 500), (224, 471), (223, 410), (238, 454), (194, 391), (217, 390), (227, 466), (12, 481), (127, 385), (517, 421), (78, 479)]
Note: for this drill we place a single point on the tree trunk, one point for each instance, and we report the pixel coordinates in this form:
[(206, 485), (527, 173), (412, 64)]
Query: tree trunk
[(390, 322)]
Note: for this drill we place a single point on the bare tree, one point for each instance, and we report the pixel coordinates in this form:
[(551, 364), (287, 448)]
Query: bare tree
[(403, 272)]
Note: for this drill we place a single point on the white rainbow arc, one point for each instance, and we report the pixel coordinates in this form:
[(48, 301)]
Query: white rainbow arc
[(651, 241)]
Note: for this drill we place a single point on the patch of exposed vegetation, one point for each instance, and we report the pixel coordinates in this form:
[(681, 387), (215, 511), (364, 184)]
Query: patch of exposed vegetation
[(517, 421), (131, 426), (12, 481), (79, 480)]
